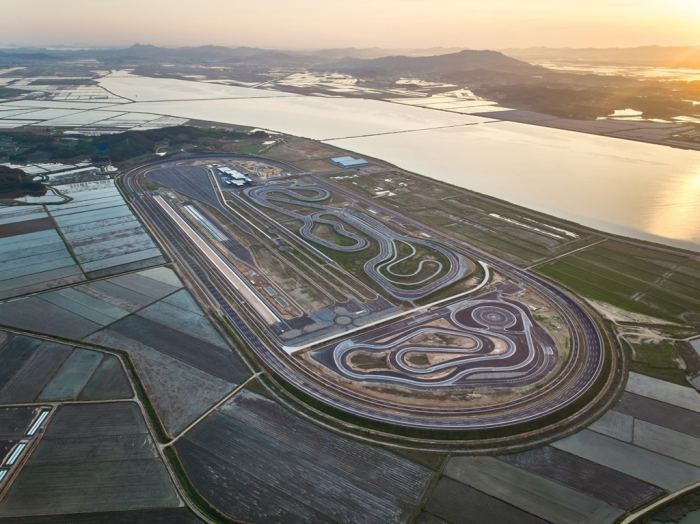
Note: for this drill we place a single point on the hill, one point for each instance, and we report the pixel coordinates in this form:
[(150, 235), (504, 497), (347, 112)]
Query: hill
[(13, 182), (467, 60)]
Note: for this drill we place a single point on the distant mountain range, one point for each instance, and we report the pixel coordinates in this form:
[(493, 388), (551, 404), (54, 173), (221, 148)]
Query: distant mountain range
[(25, 56), (341, 60), (650, 56), (211, 52), (207, 52), (371, 62), (378, 52), (467, 60)]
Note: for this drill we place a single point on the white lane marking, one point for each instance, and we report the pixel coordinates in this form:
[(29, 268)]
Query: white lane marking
[(226, 270), (293, 349)]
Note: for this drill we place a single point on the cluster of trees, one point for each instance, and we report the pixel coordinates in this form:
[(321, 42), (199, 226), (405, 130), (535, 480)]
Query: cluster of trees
[(121, 146), (14, 181), (30, 144), (7, 92)]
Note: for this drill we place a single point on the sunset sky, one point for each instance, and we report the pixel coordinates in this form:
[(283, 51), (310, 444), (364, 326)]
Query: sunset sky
[(495, 24)]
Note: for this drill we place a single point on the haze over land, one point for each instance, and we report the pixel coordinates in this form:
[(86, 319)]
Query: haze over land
[(317, 24)]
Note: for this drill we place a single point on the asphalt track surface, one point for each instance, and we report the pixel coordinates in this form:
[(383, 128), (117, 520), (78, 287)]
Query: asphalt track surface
[(194, 182), (529, 356), (569, 386), (424, 279)]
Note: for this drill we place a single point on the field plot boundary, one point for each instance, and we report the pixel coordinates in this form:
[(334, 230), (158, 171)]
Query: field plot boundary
[(49, 483), (537, 495)]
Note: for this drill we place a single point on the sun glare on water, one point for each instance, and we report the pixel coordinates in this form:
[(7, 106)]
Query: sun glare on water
[(676, 212)]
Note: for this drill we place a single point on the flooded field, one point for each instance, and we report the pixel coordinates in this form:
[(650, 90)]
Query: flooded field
[(656, 73), (640, 190)]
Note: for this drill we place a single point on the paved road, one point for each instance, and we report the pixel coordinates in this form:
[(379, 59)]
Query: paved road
[(529, 353), (423, 281), (528, 407)]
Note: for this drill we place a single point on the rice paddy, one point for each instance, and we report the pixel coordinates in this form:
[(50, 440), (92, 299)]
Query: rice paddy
[(656, 284), (256, 462), (87, 452), (142, 516), (184, 363), (102, 234), (79, 311), (650, 467), (646, 446), (537, 495), (73, 375), (611, 486), (458, 503), (37, 370), (33, 258), (88, 225)]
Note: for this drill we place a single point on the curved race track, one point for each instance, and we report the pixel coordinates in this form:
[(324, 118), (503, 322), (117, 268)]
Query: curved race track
[(525, 352), (581, 371), (426, 279)]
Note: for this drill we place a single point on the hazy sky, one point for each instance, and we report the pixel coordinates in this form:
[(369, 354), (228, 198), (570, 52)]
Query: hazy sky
[(478, 24)]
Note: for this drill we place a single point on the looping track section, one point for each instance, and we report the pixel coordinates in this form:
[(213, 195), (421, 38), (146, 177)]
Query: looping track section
[(486, 342), (392, 268)]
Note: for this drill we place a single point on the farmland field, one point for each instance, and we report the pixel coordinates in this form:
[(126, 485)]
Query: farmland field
[(90, 420), (28, 379), (383, 469), (660, 413), (14, 422), (108, 382), (180, 392), (182, 360), (136, 299), (183, 300), (427, 518), (458, 503), (212, 359), (35, 261), (85, 305), (683, 397), (616, 425), (247, 448), (652, 283), (279, 468), (537, 495), (87, 223), (150, 286), (76, 312), (54, 320), (608, 485), (241, 495), (34, 365), (149, 516), (15, 353), (102, 233), (87, 452), (183, 320), (660, 360), (667, 442), (73, 375), (644, 465)]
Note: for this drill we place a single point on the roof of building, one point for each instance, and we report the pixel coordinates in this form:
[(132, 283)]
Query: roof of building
[(348, 161)]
